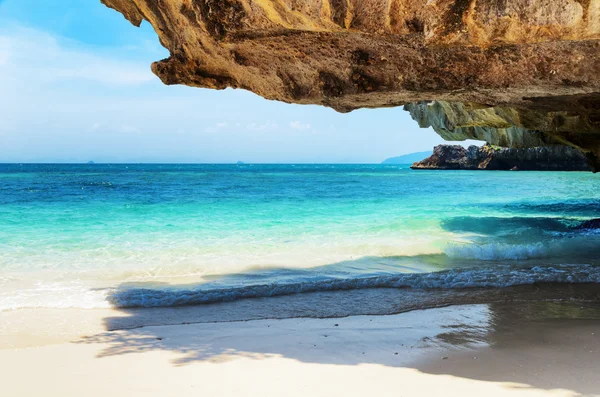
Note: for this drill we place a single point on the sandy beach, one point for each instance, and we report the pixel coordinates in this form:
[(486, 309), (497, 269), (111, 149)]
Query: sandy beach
[(529, 349), (299, 198)]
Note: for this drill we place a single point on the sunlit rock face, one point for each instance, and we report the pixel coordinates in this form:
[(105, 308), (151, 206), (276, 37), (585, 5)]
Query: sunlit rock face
[(510, 67)]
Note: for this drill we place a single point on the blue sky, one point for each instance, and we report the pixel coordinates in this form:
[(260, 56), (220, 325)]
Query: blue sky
[(77, 86)]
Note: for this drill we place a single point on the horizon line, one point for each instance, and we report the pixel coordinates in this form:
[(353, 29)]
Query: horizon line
[(184, 163)]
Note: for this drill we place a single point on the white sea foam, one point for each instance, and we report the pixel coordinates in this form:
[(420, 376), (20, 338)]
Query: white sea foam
[(78, 294), (497, 276), (498, 251), (566, 245), (53, 295), (184, 285)]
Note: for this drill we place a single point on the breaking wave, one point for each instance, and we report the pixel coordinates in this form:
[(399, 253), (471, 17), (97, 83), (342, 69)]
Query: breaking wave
[(498, 251), (486, 277)]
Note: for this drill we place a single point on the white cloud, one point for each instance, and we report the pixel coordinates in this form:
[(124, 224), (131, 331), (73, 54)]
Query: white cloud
[(101, 71), (129, 129), (297, 125), (268, 126), (40, 58), (63, 100), (5, 50), (114, 127), (216, 128)]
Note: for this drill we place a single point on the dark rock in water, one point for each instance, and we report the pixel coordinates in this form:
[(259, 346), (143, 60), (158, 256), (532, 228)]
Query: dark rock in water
[(590, 224), (489, 157)]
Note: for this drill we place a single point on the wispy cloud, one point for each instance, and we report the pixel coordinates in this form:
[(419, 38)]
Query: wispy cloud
[(108, 127), (65, 99), (5, 50), (216, 127), (297, 125), (129, 129), (43, 58), (262, 127)]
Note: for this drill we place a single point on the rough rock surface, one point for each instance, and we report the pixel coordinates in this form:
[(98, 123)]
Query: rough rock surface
[(488, 157), (498, 69), (517, 127)]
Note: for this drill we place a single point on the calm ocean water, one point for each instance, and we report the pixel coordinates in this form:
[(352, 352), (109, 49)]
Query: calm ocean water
[(160, 235)]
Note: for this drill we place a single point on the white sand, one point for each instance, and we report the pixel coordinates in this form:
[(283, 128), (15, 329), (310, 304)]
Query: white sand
[(449, 351)]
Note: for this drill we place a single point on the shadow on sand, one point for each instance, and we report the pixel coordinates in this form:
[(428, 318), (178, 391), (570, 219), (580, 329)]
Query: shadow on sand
[(519, 326), (538, 336)]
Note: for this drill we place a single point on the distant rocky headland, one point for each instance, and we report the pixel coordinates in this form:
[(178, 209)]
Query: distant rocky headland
[(489, 157), (408, 158)]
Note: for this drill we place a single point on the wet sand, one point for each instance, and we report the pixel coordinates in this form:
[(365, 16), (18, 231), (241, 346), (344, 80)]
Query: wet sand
[(520, 349)]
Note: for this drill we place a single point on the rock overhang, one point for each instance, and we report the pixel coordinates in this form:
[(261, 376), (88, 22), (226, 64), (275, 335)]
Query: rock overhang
[(516, 73)]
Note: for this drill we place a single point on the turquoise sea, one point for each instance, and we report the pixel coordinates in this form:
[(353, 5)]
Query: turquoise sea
[(99, 235)]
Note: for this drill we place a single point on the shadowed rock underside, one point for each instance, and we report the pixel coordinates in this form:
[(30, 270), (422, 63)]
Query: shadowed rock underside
[(517, 73)]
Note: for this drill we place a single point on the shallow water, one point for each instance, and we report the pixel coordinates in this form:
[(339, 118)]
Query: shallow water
[(160, 235)]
